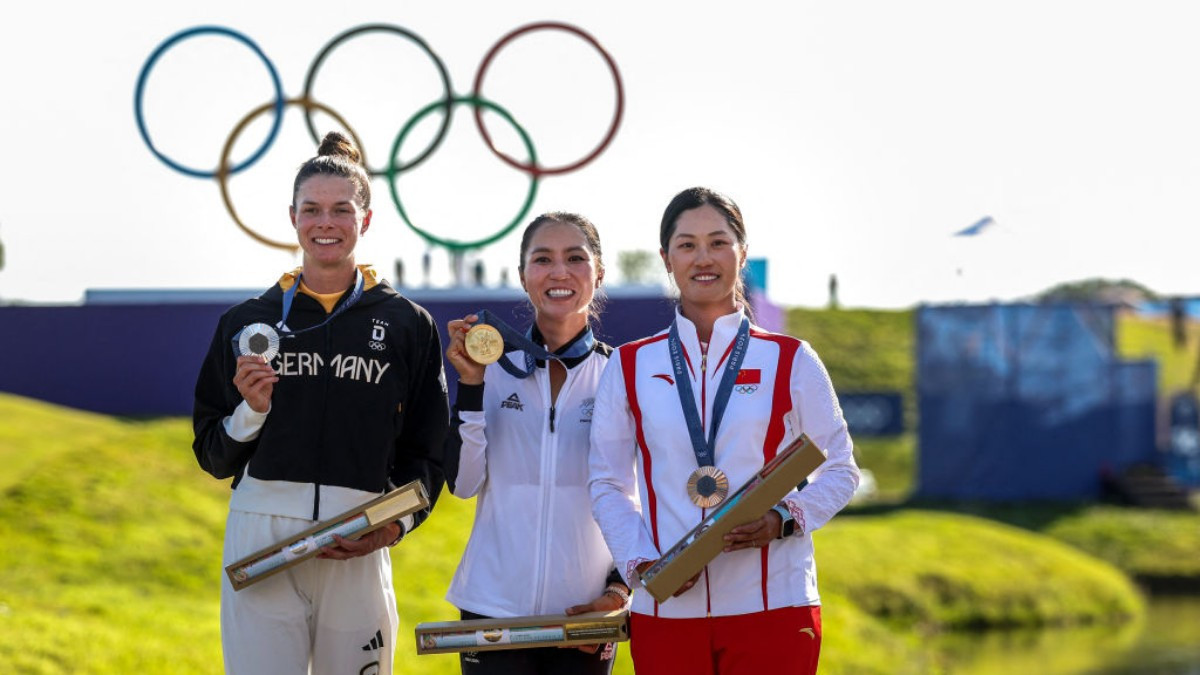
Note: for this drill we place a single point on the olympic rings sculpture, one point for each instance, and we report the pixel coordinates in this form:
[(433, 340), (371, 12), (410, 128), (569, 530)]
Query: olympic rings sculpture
[(393, 168)]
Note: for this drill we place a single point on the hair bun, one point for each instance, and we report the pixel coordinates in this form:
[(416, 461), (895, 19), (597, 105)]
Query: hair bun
[(335, 144)]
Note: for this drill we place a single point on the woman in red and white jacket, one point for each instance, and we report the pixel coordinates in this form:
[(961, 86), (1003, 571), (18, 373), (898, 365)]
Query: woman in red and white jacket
[(671, 430)]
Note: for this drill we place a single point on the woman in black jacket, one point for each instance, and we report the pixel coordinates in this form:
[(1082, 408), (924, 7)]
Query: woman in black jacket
[(352, 402)]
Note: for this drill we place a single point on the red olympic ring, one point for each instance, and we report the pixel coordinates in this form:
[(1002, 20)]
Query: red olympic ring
[(531, 167)]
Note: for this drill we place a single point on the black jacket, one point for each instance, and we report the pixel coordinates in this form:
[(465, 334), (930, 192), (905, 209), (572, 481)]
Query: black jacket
[(360, 402)]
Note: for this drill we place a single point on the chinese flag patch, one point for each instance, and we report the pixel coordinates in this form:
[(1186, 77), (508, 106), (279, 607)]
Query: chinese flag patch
[(749, 376)]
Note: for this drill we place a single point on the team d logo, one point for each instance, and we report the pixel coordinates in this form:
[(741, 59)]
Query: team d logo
[(378, 333)]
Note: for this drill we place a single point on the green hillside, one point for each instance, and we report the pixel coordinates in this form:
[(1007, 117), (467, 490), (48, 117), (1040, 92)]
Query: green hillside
[(113, 561)]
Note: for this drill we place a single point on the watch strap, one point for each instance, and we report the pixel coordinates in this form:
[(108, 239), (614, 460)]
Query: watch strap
[(787, 524)]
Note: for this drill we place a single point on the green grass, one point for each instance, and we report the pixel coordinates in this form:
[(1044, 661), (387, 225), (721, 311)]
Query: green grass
[(863, 350), (944, 571), (1147, 544), (109, 538), (892, 462)]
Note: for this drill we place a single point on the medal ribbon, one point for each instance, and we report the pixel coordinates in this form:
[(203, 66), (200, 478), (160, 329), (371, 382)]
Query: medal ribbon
[(706, 449), (290, 294), (515, 341)]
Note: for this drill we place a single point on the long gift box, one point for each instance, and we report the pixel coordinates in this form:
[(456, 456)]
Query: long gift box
[(690, 554), (352, 524), (522, 632)]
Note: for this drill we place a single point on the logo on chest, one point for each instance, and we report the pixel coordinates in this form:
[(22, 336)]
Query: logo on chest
[(512, 403), (748, 380), (378, 333)]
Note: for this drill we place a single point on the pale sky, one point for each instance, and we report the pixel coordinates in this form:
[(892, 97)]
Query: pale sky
[(856, 137)]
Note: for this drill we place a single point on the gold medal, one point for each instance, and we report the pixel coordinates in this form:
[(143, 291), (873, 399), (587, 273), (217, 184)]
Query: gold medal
[(484, 344), (707, 486)]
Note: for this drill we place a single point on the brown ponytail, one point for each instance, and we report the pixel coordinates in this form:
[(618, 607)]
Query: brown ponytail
[(337, 156)]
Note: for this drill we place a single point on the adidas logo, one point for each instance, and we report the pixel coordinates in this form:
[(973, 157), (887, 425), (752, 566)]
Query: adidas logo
[(375, 643), (513, 402)]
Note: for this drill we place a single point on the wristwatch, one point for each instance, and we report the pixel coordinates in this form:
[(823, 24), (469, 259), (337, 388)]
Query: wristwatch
[(787, 525)]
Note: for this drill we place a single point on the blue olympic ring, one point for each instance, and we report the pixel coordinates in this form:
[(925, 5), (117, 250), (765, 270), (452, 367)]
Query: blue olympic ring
[(141, 87)]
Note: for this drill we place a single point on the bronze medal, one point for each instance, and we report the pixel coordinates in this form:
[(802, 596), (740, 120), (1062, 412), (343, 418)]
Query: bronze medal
[(707, 486), (484, 344)]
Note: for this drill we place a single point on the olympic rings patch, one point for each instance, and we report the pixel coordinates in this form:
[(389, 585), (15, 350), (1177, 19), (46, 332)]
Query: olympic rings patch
[(392, 169), (746, 388)]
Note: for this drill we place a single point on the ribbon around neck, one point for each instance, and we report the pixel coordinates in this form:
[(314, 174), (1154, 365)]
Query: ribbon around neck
[(705, 449), (517, 341)]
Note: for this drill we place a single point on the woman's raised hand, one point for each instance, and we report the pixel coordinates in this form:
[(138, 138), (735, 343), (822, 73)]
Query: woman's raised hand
[(469, 372), (255, 381)]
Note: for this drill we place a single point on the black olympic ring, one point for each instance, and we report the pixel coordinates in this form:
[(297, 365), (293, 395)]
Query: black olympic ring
[(446, 104)]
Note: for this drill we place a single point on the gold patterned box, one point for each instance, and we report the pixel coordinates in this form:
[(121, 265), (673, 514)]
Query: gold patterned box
[(352, 524), (522, 632), (690, 554)]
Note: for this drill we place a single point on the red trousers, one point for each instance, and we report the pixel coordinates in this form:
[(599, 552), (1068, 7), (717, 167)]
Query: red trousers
[(786, 640)]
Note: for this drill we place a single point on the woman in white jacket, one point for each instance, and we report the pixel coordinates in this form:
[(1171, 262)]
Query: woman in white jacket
[(684, 416), (519, 445)]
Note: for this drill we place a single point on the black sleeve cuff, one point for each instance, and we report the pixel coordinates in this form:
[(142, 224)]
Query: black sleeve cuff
[(614, 577), (470, 397)]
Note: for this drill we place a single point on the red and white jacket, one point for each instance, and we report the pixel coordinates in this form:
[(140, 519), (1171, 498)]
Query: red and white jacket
[(641, 456)]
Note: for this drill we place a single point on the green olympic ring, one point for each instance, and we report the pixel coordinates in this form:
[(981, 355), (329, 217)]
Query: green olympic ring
[(393, 171)]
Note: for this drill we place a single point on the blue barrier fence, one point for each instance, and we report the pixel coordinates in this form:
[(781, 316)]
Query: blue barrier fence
[(137, 354), (1027, 402)]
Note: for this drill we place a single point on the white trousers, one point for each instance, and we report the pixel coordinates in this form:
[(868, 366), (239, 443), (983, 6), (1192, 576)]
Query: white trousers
[(318, 617)]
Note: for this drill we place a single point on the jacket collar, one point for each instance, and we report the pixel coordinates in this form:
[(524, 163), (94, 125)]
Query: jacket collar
[(536, 335), (724, 331)]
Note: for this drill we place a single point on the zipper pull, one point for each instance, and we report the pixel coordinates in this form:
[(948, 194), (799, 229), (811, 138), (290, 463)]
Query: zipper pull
[(551, 418), (704, 363)]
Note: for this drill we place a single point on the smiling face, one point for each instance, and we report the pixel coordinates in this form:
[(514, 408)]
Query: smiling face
[(560, 274), (704, 257), (329, 218)]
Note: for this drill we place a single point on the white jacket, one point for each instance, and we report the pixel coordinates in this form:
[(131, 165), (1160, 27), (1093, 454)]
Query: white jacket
[(534, 548), (642, 455)]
